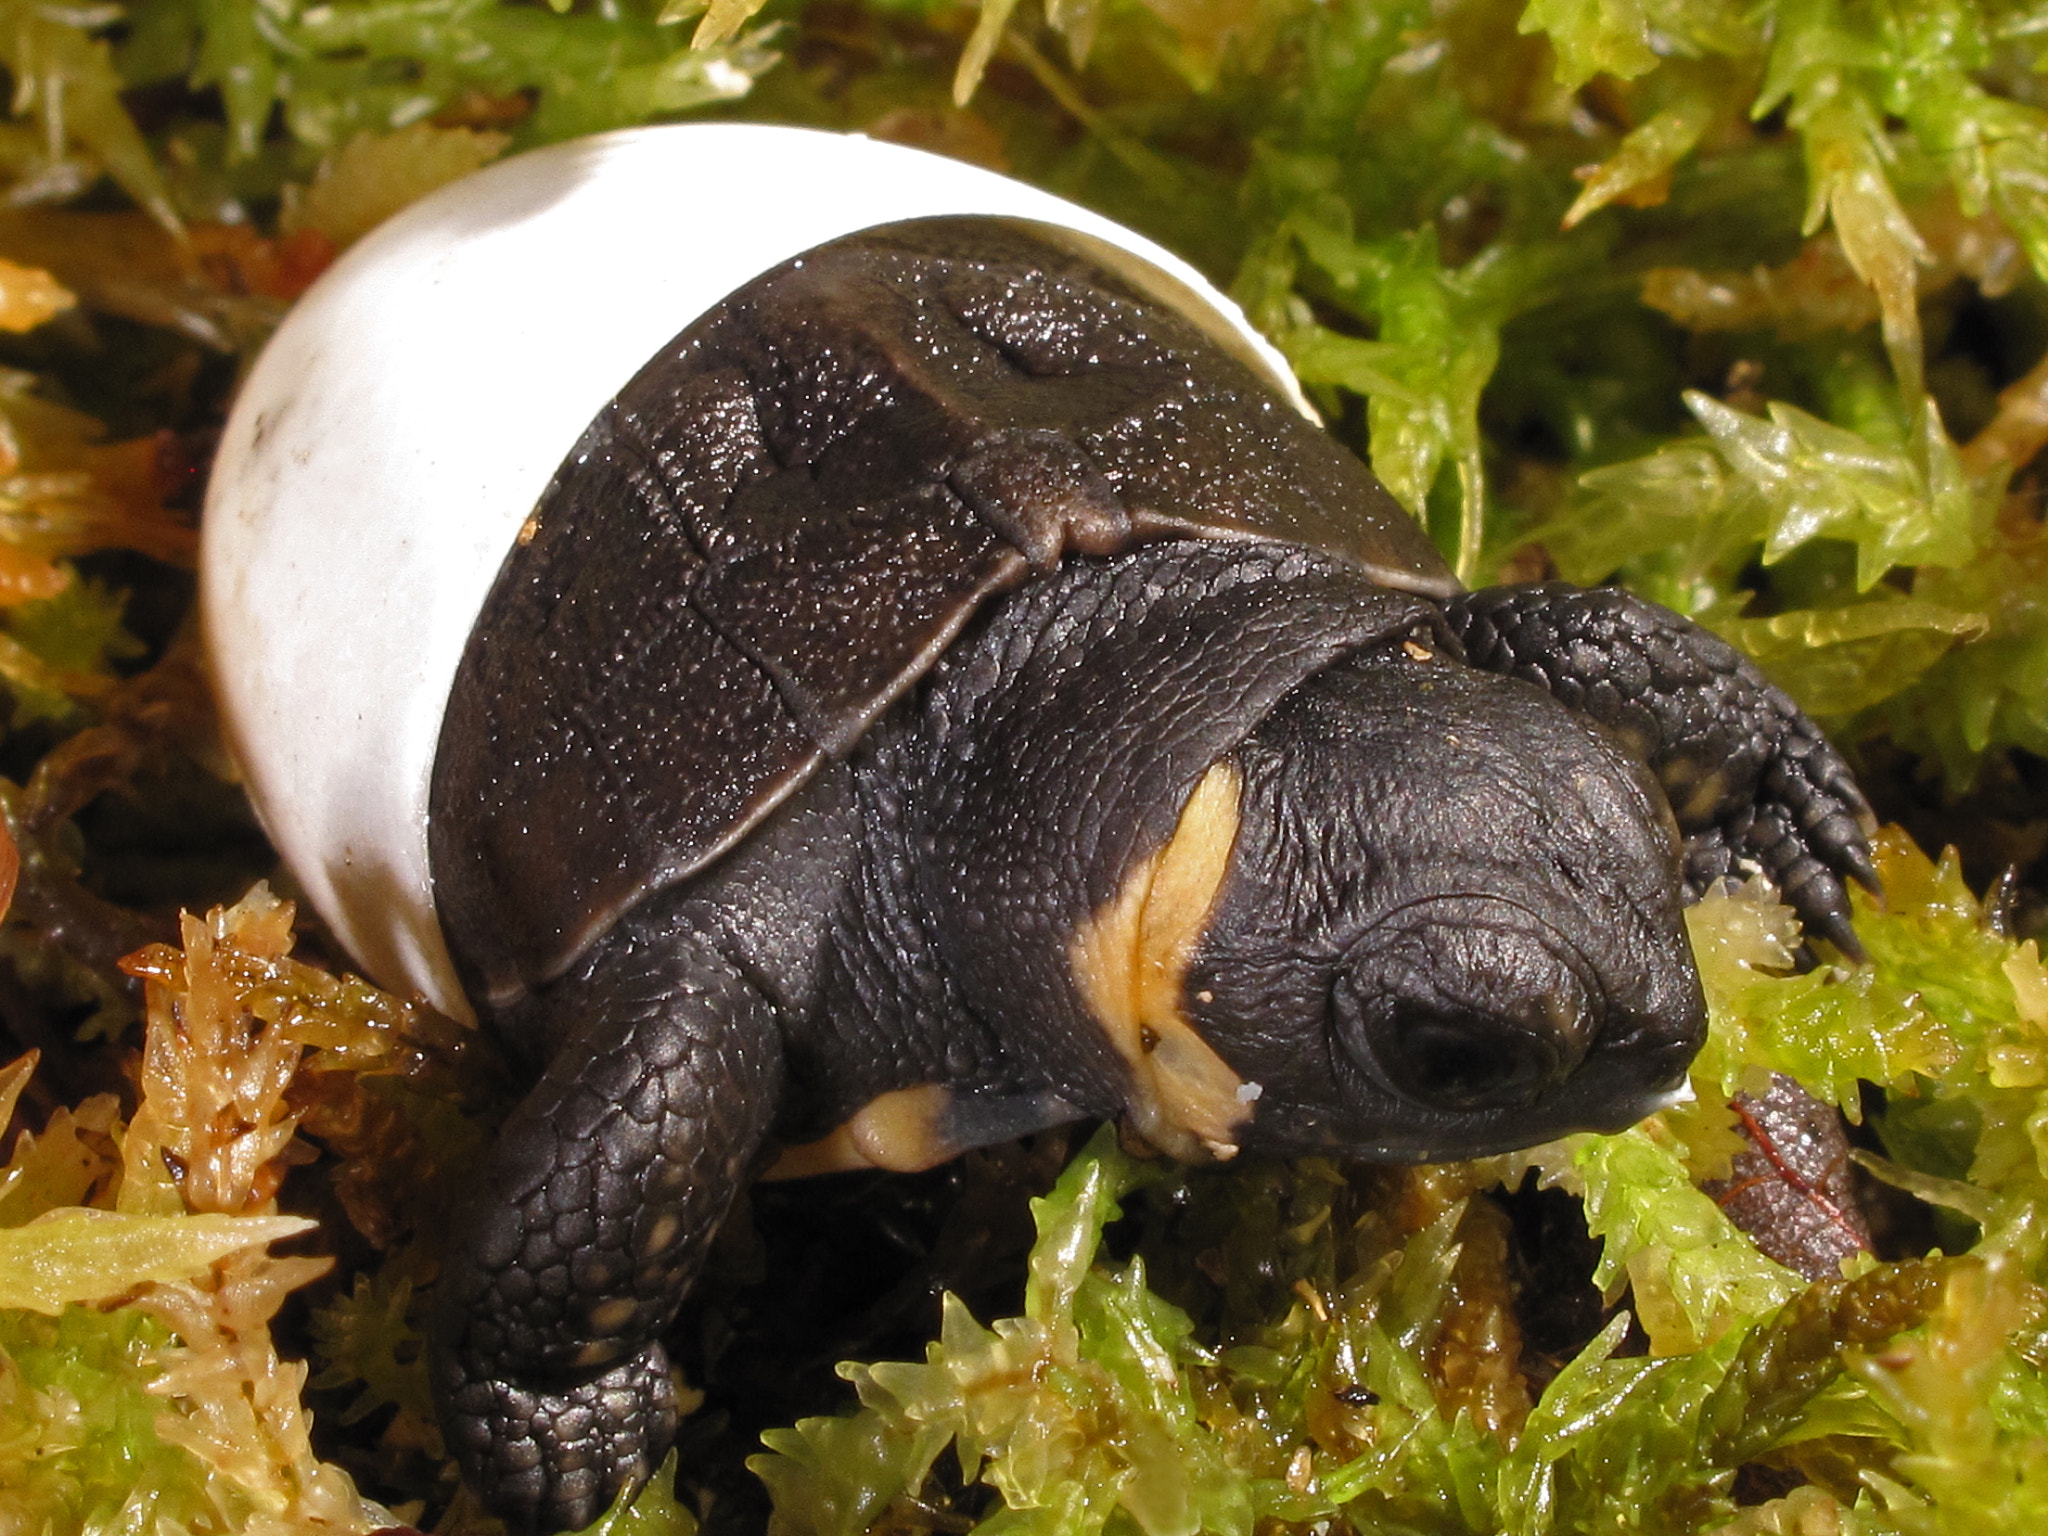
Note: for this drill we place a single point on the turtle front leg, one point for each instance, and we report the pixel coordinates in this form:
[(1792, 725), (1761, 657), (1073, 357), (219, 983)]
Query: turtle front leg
[(592, 1218), (1750, 777)]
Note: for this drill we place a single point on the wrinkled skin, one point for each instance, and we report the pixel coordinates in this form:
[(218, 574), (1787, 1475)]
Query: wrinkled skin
[(1506, 963), (814, 768)]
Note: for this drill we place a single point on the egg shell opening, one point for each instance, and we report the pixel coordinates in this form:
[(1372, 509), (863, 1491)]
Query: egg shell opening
[(401, 425)]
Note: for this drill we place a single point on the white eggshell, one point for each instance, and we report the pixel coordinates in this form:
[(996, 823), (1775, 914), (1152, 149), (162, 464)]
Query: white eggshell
[(400, 426)]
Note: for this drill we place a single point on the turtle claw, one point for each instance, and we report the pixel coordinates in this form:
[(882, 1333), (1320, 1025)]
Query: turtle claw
[(1761, 839), (1855, 862), (1807, 829), (1811, 889), (1808, 781), (1838, 931)]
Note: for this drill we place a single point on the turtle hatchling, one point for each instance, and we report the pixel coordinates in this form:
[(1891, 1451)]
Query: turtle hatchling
[(837, 658)]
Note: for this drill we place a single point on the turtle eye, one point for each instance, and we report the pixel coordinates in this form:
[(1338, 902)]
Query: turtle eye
[(1458, 1005), (1436, 1052), (1471, 1064)]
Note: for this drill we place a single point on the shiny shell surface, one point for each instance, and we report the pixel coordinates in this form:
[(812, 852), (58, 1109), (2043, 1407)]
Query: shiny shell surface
[(395, 435)]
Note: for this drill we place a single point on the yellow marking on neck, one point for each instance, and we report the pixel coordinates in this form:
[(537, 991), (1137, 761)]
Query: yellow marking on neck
[(1129, 962), (611, 1316), (898, 1131)]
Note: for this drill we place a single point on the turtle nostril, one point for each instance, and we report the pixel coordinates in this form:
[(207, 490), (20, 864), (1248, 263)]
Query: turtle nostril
[(1632, 1032)]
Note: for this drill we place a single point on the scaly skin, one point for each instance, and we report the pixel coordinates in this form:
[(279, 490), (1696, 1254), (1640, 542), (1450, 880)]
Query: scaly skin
[(598, 1204), (1750, 778)]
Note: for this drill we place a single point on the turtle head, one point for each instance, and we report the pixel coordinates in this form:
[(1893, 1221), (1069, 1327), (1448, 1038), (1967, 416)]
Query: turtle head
[(1451, 923)]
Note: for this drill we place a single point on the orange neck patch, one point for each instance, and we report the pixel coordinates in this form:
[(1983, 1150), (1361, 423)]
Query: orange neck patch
[(1129, 961), (899, 1131)]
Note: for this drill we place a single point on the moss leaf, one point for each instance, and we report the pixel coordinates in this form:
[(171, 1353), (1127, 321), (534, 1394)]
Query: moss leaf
[(85, 1255)]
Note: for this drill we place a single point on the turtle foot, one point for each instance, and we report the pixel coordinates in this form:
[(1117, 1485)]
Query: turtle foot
[(1753, 782), (550, 1460)]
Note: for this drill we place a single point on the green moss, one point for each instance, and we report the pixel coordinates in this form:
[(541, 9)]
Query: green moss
[(78, 1427)]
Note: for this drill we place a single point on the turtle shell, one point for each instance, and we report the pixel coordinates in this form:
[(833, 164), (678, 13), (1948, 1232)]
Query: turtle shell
[(395, 437), (784, 519)]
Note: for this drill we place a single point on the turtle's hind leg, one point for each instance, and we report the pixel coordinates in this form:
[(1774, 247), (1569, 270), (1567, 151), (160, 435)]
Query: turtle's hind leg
[(1752, 780), (590, 1221)]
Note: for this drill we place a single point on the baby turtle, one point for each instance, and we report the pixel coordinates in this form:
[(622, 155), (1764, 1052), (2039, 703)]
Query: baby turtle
[(952, 690)]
